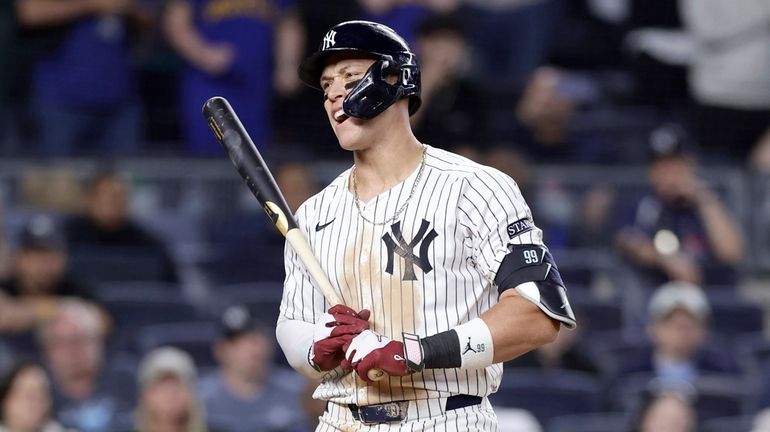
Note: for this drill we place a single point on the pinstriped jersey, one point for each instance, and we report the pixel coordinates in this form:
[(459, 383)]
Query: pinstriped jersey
[(431, 269)]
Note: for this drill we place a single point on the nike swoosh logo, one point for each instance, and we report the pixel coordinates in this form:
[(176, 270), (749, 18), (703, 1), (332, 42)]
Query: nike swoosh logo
[(319, 227)]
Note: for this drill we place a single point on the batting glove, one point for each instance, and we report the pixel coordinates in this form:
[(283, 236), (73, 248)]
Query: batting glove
[(370, 350), (333, 333)]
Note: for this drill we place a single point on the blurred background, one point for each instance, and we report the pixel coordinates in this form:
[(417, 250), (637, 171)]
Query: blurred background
[(140, 283)]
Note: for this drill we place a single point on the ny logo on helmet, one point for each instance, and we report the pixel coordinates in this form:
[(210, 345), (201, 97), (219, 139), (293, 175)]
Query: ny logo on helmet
[(329, 40), (405, 250)]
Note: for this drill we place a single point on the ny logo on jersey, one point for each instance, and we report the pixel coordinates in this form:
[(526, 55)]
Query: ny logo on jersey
[(406, 250), (329, 40)]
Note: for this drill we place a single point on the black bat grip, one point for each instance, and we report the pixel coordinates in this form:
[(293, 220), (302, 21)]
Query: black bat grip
[(236, 141)]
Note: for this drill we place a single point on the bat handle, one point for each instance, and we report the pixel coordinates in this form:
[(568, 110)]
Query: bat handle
[(300, 245)]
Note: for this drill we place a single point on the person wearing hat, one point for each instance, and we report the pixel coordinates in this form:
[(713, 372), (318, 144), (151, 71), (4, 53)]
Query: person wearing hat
[(168, 401), (681, 230), (39, 278), (247, 392), (678, 320), (88, 397)]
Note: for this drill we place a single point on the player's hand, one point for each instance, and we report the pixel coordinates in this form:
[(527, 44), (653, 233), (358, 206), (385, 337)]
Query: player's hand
[(370, 350), (333, 332)]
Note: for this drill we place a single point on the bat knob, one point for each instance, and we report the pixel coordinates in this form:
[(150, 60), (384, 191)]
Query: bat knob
[(375, 374)]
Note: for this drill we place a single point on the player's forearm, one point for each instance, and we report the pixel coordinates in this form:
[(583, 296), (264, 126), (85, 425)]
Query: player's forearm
[(33, 13), (295, 339), (518, 326)]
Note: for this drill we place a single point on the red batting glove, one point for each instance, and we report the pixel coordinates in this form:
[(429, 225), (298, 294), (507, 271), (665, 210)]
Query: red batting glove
[(333, 333), (370, 350)]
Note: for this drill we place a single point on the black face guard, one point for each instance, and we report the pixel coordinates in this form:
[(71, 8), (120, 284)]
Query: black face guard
[(373, 94)]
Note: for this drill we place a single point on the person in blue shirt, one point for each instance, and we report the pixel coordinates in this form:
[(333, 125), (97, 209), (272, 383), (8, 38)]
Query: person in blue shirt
[(681, 230), (246, 392), (235, 49), (83, 87)]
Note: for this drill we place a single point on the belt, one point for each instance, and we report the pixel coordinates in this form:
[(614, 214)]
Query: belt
[(396, 411)]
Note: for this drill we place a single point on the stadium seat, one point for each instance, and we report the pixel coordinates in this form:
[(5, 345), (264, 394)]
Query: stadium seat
[(593, 422), (99, 265), (731, 424), (610, 349), (753, 352), (548, 394), (194, 337), (119, 289), (134, 309), (262, 298), (597, 315), (732, 316), (716, 395)]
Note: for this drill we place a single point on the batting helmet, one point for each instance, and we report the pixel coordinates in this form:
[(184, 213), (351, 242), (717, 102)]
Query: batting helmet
[(373, 94)]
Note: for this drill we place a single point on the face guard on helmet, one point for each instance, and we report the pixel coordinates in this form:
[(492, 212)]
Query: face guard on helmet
[(373, 94)]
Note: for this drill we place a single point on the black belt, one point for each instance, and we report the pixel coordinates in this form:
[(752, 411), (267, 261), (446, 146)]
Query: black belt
[(396, 411)]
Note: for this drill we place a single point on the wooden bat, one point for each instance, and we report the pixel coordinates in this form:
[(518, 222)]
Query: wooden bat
[(251, 166)]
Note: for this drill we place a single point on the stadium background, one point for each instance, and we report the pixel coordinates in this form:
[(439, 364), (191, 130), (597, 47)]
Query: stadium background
[(572, 98)]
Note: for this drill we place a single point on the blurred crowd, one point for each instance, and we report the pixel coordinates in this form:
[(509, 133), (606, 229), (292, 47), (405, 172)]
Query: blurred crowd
[(145, 299), (555, 80)]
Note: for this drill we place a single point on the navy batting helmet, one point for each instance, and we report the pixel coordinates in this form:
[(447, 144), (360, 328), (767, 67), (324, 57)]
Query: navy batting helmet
[(373, 94)]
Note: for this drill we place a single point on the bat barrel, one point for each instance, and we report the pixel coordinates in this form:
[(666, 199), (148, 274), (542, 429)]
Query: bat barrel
[(250, 165)]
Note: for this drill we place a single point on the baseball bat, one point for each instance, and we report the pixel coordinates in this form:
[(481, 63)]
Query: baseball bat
[(236, 141)]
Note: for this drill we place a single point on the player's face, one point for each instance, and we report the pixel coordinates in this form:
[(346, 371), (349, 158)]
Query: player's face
[(337, 79)]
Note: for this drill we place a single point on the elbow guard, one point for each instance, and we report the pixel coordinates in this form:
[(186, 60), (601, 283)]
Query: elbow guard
[(530, 269)]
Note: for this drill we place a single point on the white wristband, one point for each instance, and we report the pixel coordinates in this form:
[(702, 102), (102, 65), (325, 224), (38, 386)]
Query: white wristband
[(476, 348)]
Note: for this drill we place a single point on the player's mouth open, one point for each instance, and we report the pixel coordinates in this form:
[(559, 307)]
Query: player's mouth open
[(340, 116)]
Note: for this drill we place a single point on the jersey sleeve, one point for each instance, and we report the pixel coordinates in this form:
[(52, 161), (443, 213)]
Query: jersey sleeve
[(495, 212)]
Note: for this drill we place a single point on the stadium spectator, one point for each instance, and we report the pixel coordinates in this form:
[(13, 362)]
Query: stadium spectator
[(107, 228), (246, 392), (13, 79), (236, 50), (681, 230), (296, 182), (523, 27), (516, 420), (729, 76), (666, 410), (545, 111), (73, 343), (312, 409), (5, 249), (38, 279), (657, 52), (451, 115), (25, 400), (760, 157), (678, 328), (401, 16), (84, 89), (168, 401), (761, 421)]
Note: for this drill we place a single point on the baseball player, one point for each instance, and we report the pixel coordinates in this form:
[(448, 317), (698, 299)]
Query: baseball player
[(442, 270)]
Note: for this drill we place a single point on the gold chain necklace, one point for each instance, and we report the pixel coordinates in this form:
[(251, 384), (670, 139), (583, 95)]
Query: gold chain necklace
[(403, 207)]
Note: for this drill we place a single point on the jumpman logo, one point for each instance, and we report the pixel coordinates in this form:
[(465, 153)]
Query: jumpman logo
[(469, 348)]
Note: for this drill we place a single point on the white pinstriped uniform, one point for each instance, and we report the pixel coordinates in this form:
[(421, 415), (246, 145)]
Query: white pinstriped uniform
[(454, 235)]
